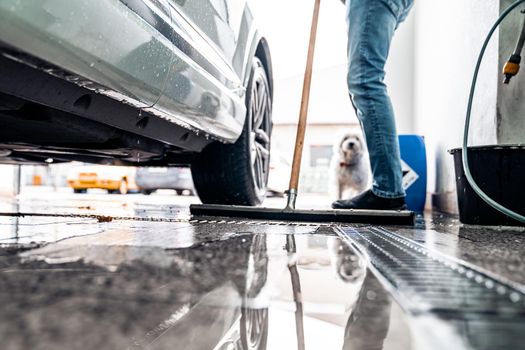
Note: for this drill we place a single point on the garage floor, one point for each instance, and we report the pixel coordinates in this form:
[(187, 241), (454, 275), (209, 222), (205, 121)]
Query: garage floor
[(114, 272)]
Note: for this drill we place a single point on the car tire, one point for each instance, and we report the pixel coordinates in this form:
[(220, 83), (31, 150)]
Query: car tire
[(79, 190), (237, 174), (179, 192), (147, 192)]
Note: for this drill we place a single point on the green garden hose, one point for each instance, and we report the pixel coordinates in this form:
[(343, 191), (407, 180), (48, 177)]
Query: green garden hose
[(468, 174)]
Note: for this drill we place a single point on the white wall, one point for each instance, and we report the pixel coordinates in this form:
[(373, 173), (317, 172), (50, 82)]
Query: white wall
[(287, 27), (400, 75), (428, 74), (329, 100), (7, 180), (449, 35), (511, 104)]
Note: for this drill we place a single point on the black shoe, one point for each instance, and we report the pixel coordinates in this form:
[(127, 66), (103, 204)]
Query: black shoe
[(368, 200)]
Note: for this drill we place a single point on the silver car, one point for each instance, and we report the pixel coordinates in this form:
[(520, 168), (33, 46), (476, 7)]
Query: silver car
[(139, 82), (151, 179)]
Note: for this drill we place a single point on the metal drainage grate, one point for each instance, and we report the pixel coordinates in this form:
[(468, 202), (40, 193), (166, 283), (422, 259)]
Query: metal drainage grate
[(426, 281)]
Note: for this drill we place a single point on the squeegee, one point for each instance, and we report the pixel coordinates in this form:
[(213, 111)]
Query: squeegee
[(289, 213)]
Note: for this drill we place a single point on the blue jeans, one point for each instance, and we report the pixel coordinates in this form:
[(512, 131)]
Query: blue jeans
[(371, 26)]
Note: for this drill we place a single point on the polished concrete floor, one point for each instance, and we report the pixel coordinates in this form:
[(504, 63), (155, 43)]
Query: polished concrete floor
[(125, 272)]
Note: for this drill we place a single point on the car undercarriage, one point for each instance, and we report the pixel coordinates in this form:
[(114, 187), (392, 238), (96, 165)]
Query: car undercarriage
[(67, 120)]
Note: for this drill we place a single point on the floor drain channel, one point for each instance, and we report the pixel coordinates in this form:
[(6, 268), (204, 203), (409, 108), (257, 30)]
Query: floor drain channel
[(429, 283), (432, 282)]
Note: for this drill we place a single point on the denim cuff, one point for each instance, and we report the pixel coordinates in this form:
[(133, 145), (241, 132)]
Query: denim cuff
[(388, 195)]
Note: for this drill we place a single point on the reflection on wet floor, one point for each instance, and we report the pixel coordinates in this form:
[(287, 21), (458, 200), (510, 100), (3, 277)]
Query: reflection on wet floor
[(151, 277), (496, 249), (243, 291), (475, 304)]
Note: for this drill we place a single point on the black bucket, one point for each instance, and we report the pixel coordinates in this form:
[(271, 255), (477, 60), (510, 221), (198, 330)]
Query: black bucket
[(500, 172)]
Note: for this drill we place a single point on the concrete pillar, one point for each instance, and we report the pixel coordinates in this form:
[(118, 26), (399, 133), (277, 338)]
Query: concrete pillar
[(7, 175), (17, 179)]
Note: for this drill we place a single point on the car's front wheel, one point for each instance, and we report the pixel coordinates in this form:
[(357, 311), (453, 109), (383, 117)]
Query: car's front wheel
[(238, 173)]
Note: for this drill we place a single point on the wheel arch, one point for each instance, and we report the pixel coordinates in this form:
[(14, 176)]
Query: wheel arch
[(219, 162), (263, 53)]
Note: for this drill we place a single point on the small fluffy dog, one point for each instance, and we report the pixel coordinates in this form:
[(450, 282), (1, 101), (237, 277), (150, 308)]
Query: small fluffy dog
[(350, 169)]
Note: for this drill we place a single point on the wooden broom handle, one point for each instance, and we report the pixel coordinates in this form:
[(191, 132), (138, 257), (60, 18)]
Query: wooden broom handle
[(301, 128)]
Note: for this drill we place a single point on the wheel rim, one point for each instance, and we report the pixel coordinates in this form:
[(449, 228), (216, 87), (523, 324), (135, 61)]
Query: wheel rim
[(256, 320), (260, 114)]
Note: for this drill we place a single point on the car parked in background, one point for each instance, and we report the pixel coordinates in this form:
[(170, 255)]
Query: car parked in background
[(139, 83), (279, 177), (114, 179), (151, 179)]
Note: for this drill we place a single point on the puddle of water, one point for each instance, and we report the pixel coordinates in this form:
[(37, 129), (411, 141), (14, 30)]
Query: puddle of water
[(244, 292)]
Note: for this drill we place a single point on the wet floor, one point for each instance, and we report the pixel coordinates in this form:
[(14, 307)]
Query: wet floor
[(139, 273), (232, 290)]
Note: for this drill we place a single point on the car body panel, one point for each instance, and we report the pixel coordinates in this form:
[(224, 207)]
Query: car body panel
[(212, 94), (101, 41), (202, 89), (225, 25), (124, 82), (154, 56)]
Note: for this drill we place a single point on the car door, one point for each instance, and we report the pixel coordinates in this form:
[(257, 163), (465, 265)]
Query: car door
[(227, 24), (216, 19), (102, 45), (203, 89)]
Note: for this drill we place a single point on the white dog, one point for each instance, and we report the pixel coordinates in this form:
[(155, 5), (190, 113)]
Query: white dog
[(350, 169)]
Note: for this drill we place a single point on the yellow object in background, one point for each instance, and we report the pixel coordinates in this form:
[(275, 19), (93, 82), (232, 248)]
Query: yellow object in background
[(37, 180), (118, 179)]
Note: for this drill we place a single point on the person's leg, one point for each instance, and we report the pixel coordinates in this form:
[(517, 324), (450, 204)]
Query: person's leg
[(371, 25)]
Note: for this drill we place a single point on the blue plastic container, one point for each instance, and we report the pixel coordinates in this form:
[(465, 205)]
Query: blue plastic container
[(414, 162)]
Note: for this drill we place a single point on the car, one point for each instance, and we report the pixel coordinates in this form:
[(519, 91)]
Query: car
[(114, 179), (151, 179), (140, 83)]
